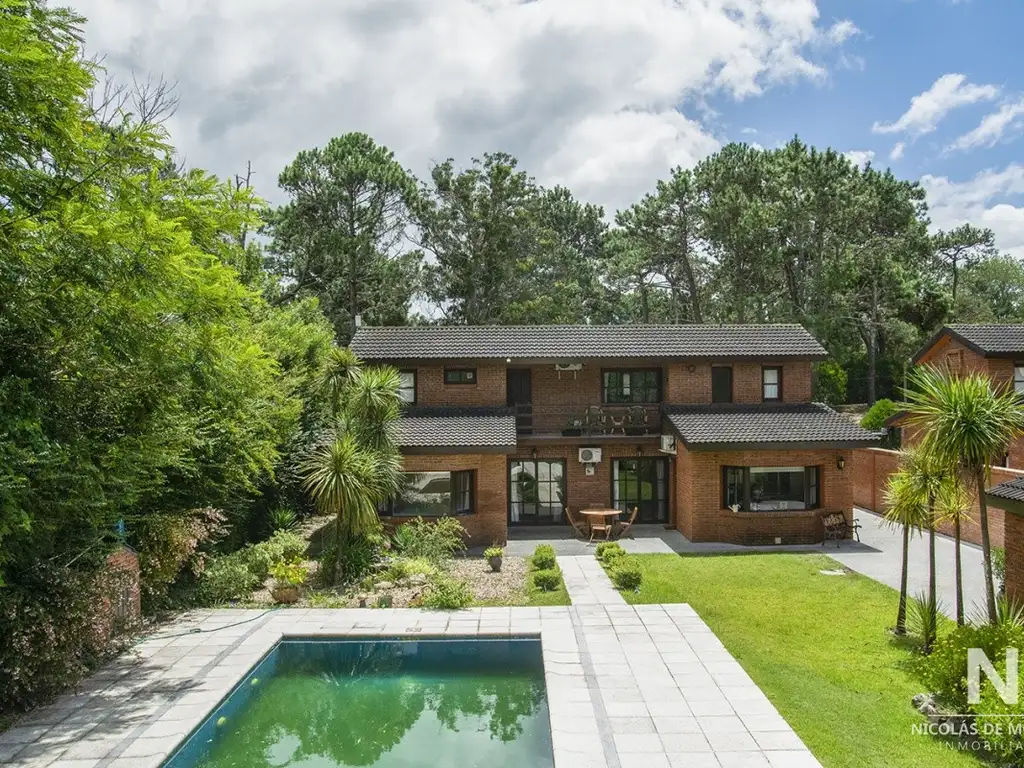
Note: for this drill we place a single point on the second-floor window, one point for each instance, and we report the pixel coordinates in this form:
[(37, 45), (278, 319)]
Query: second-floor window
[(460, 375), (407, 386), (721, 384), (633, 386), (771, 382), (1018, 378)]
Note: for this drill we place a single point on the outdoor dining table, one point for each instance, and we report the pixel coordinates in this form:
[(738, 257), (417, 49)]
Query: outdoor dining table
[(607, 514)]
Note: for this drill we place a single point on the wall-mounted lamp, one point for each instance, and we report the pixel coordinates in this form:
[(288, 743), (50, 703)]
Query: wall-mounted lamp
[(840, 463), (534, 454), (508, 359), (639, 450)]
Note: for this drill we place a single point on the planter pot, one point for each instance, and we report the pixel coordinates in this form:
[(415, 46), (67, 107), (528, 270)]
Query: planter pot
[(495, 563), (286, 593)]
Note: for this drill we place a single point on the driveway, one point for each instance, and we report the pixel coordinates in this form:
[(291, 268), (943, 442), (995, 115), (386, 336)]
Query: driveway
[(879, 556)]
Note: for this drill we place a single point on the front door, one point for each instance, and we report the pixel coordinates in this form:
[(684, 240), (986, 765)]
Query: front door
[(536, 491), (519, 395), (641, 483)]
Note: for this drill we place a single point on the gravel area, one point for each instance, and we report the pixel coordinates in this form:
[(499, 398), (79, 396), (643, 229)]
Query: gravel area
[(507, 585)]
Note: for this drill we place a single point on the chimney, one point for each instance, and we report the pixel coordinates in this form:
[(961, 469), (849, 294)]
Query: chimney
[(359, 321)]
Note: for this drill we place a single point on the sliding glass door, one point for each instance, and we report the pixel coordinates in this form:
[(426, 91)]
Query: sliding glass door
[(641, 483), (536, 492)]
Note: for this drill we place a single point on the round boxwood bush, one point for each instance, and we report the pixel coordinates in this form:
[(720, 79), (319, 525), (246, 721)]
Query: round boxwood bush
[(628, 577), (547, 580), (543, 557), (611, 553), (874, 419)]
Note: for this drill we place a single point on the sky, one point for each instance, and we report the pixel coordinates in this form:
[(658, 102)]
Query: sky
[(602, 96)]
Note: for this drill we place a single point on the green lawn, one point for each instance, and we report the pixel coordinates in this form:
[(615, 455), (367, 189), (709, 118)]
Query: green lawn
[(817, 645)]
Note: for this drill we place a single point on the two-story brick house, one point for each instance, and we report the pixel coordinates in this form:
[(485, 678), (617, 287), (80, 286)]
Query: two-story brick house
[(709, 429), (993, 349)]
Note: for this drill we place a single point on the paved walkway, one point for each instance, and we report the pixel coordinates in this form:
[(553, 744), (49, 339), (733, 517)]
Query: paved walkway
[(587, 583), (880, 556)]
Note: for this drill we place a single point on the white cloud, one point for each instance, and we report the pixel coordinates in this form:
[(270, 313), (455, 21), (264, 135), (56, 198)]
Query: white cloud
[(896, 153), (842, 31), (992, 127), (928, 108), (860, 157), (981, 201), (586, 92)]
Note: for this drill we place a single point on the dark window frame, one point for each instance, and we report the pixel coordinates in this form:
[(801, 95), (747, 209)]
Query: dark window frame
[(415, 385), (732, 384), (777, 385), (530, 460), (456, 491), (470, 381), (667, 499), (728, 481), (1018, 383), (659, 385)]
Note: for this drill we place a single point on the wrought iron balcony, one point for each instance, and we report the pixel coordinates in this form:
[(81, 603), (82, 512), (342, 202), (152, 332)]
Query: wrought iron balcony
[(588, 421)]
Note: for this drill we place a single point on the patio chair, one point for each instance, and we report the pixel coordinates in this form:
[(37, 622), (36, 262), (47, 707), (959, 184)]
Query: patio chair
[(624, 527), (578, 526), (601, 527), (617, 421), (637, 419)]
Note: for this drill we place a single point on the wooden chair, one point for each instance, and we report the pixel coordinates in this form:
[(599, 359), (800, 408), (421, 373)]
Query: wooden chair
[(579, 527), (601, 527), (624, 527)]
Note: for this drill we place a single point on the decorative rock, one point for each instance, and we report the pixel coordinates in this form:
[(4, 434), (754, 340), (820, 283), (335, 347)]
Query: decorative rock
[(919, 699), (362, 600), (417, 579), (384, 585)]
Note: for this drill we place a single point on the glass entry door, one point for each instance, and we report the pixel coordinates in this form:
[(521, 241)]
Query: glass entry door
[(536, 492), (641, 483)]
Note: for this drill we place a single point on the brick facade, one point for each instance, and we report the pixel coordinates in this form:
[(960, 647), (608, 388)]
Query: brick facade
[(693, 479), (700, 515), (1014, 538)]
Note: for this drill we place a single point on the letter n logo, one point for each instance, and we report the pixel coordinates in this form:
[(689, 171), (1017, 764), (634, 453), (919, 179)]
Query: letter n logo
[(977, 660)]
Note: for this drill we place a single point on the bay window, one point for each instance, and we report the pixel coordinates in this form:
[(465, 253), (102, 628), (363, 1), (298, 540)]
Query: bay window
[(766, 489), (432, 494)]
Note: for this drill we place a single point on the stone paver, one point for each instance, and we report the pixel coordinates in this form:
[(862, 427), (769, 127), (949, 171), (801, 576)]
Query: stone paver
[(627, 685), (880, 557), (586, 581)]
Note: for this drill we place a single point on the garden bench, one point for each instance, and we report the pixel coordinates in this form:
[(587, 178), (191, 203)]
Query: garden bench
[(836, 527)]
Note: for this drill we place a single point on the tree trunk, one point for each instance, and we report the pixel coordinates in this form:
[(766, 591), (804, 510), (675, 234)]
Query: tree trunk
[(337, 550), (986, 547), (933, 609), (872, 363), (901, 614), (958, 572)]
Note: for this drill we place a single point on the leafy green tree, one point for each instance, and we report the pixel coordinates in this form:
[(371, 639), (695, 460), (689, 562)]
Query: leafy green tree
[(343, 237), (967, 425), (357, 466), (993, 291), (960, 249)]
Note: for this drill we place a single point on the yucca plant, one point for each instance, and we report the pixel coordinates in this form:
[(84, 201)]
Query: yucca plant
[(954, 502), (906, 511), (925, 610), (357, 465), (967, 424), (283, 519)]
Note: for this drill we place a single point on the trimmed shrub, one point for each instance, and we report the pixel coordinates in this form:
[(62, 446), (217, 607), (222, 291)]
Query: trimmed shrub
[(227, 578), (876, 416), (403, 567), (447, 594), (830, 381), (543, 557), (627, 577), (436, 540), (611, 552), (547, 580)]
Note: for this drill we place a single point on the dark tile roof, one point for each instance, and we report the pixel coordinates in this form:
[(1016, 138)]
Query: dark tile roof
[(423, 427), (986, 339), (798, 423), (1010, 491), (568, 342)]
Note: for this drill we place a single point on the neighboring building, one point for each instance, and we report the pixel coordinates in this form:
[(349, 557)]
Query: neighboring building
[(995, 350), (1010, 498), (507, 426)]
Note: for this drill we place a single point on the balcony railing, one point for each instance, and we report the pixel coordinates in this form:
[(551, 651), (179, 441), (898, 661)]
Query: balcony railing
[(588, 421)]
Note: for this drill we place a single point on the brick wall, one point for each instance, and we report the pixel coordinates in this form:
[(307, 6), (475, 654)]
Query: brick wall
[(488, 390), (691, 382), (1014, 538), (488, 523), (871, 468), (701, 517)]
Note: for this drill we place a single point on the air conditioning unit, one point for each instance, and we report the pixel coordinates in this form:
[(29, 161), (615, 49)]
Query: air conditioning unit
[(668, 444), (568, 366), (590, 455)]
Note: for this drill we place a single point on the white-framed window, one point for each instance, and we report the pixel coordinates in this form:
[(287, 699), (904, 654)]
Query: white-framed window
[(771, 383), (407, 386), (1018, 378)]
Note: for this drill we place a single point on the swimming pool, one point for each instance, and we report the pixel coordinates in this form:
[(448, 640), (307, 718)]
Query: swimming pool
[(385, 703)]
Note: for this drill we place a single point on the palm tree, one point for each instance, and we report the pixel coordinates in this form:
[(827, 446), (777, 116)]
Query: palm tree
[(357, 465), (967, 424), (953, 505), (904, 510)]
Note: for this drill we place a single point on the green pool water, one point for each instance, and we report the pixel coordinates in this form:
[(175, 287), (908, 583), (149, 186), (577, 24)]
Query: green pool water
[(396, 704)]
